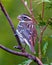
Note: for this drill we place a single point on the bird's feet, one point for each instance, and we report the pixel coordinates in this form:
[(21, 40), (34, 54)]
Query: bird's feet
[(20, 48)]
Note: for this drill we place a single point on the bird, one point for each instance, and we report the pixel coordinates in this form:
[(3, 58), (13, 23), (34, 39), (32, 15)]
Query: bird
[(26, 31)]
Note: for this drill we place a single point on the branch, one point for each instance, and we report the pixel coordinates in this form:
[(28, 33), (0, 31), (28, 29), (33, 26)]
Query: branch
[(43, 10), (31, 9), (41, 33), (30, 12), (25, 54), (12, 26), (40, 40)]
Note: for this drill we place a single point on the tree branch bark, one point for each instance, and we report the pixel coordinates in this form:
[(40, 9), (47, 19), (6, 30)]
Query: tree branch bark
[(25, 54), (30, 12), (41, 33), (31, 9), (12, 26), (43, 9), (40, 40)]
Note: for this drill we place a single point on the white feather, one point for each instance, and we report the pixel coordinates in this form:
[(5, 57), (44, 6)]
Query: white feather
[(22, 21), (20, 36), (18, 33), (22, 39), (27, 42), (20, 26)]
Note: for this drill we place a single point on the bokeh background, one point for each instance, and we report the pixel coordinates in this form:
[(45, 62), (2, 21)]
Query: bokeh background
[(15, 8)]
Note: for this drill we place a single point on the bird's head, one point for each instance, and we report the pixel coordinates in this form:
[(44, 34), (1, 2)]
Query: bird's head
[(24, 18)]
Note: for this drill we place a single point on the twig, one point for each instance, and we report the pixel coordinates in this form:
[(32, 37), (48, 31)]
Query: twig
[(33, 18), (11, 24), (40, 40), (25, 54), (41, 33), (43, 9), (31, 9)]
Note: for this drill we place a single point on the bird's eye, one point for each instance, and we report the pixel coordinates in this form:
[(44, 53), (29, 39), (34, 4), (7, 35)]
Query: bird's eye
[(25, 17)]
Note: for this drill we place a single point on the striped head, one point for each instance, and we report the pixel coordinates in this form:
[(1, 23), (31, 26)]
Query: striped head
[(24, 18)]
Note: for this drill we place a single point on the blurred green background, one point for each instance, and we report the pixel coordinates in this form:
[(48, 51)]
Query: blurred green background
[(15, 8)]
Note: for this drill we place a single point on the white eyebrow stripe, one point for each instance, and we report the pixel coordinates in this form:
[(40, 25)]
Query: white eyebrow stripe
[(27, 17)]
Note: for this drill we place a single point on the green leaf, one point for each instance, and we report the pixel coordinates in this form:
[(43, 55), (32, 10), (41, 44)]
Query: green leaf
[(50, 63), (41, 1), (45, 0), (27, 62), (41, 22), (50, 36), (50, 22), (45, 48), (49, 6)]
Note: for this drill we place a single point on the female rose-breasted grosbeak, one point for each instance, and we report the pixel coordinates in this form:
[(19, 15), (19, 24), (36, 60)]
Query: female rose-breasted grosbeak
[(26, 31)]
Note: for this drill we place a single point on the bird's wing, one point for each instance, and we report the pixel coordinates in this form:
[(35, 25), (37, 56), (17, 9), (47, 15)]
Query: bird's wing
[(27, 34), (32, 31), (28, 38), (34, 34)]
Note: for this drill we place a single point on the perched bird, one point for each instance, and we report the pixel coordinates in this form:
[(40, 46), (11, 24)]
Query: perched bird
[(26, 31)]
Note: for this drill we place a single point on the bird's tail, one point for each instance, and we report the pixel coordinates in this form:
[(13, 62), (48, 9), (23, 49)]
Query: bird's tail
[(32, 49)]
